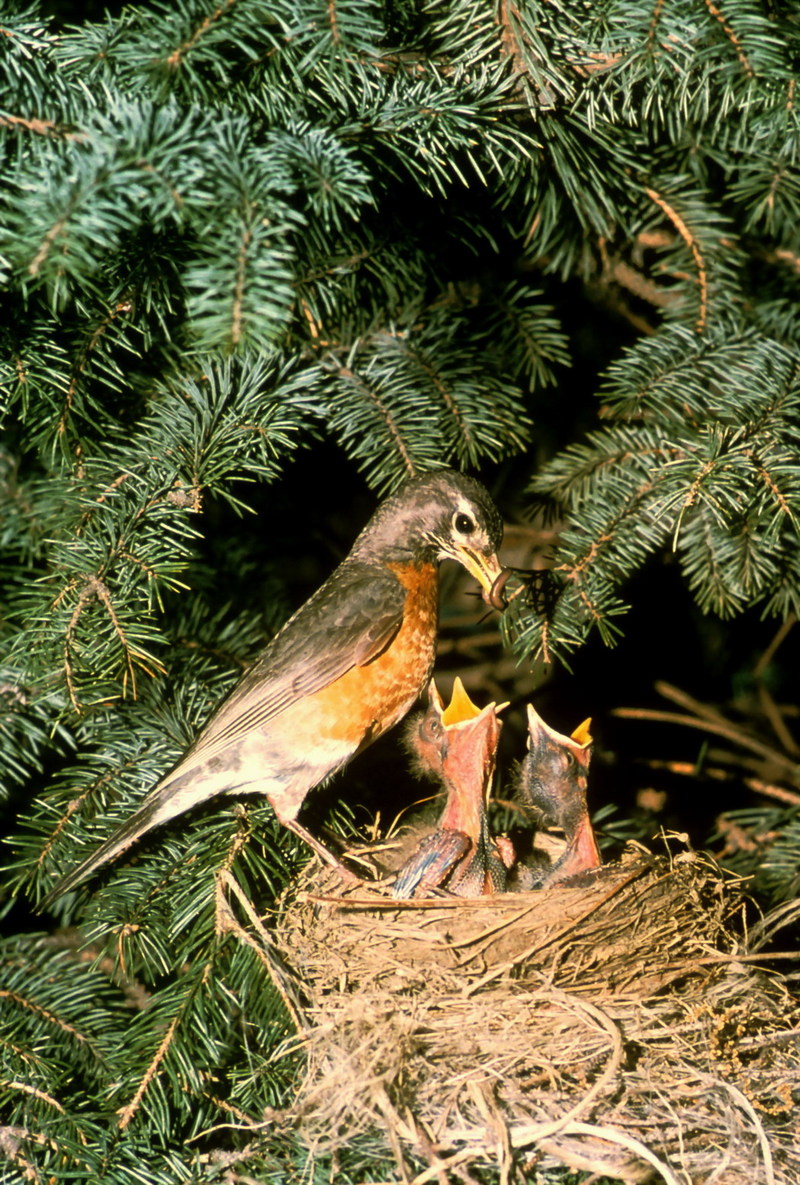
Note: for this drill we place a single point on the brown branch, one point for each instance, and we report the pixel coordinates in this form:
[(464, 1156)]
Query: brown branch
[(174, 59), (691, 242), (655, 18), (725, 730), (104, 596), (769, 482), (122, 306), (45, 1014), (509, 42), (595, 63), (77, 802), (689, 769), (46, 243), (59, 827), (345, 264), (718, 15), (782, 255), (34, 1091), (350, 376), (777, 723), (589, 605), (545, 647), (642, 287), (127, 1113), (41, 127), (95, 589), (85, 597), (708, 713), (333, 21), (777, 641), (684, 700), (445, 392), (114, 485), (694, 489)]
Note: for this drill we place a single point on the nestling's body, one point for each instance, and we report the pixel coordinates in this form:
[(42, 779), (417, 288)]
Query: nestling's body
[(345, 668), (553, 779), (458, 747)]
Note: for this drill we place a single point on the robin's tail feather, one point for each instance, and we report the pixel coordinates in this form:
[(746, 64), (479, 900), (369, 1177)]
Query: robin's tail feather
[(165, 802)]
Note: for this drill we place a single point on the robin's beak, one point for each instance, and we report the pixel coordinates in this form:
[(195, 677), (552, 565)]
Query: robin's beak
[(486, 569)]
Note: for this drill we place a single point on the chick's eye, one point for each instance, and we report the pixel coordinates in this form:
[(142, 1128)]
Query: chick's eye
[(463, 524)]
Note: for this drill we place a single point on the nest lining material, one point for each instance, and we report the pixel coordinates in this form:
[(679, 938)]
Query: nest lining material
[(609, 1026)]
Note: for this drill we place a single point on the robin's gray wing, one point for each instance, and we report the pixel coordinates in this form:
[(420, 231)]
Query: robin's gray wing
[(433, 861), (348, 622)]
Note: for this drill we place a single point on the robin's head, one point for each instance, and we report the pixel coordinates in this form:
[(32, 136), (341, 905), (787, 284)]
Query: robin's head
[(436, 516)]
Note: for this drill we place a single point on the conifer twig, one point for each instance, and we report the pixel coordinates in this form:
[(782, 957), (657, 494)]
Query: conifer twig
[(691, 242), (175, 58), (127, 1112), (730, 33), (47, 1015)]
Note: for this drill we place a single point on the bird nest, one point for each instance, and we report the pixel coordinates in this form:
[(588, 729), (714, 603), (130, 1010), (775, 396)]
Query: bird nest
[(616, 1026)]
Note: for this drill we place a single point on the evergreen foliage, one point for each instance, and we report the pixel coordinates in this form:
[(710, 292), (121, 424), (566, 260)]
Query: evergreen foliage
[(231, 230)]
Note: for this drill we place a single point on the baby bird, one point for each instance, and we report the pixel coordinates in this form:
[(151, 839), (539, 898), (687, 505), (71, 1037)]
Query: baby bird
[(553, 778), (457, 746)]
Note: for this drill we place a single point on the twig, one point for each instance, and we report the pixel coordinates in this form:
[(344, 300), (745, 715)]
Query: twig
[(691, 242), (496, 972), (730, 33), (747, 1107), (729, 731), (127, 1112), (714, 773), (279, 973), (174, 59)]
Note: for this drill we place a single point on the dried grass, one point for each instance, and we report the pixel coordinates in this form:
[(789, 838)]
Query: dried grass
[(615, 1027)]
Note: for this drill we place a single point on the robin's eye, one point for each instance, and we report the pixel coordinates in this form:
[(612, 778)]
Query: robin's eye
[(463, 524)]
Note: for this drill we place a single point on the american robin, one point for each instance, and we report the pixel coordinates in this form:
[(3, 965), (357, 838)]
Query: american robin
[(346, 667), (553, 778), (457, 745)]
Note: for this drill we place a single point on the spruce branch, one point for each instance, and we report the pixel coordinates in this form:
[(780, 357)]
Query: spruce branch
[(692, 244), (729, 32)]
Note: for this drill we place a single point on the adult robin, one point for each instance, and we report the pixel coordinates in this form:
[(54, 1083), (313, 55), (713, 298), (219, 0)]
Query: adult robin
[(457, 745), (553, 778), (346, 667)]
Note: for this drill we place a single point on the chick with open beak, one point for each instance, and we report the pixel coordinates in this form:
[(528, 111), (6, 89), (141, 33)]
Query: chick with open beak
[(457, 746), (553, 778)]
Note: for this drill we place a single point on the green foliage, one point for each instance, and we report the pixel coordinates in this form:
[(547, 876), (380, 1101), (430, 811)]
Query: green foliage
[(771, 857), (233, 232), (700, 456)]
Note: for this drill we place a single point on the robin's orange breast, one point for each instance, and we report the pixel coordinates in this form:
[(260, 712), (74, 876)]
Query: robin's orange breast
[(321, 732), (367, 700)]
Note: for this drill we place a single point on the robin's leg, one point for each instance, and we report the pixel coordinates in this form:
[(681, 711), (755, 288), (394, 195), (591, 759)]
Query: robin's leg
[(321, 850)]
